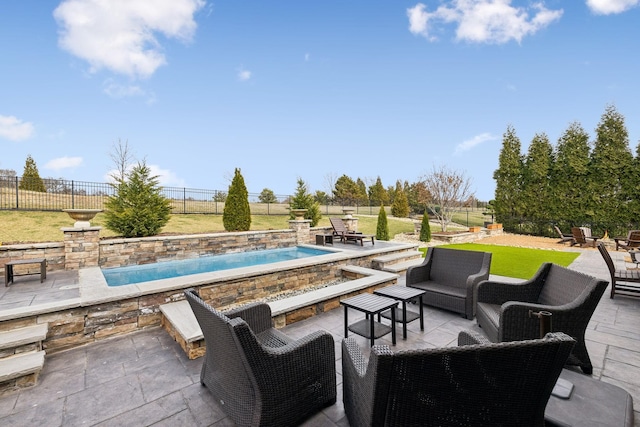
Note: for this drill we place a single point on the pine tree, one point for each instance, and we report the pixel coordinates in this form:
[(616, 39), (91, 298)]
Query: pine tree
[(536, 178), (236, 215), (611, 159), (31, 180), (138, 208), (400, 205), (302, 199), (425, 229), (508, 177), (382, 229), (378, 194), (571, 198)]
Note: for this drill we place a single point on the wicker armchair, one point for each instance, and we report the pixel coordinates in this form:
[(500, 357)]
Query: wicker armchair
[(504, 384), (504, 309), (449, 277), (260, 376)]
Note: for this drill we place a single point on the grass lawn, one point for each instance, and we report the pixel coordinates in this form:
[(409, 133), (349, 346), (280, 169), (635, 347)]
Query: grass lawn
[(34, 226), (511, 261)]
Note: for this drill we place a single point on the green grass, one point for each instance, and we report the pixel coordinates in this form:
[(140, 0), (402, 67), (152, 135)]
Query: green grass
[(34, 226), (516, 262)]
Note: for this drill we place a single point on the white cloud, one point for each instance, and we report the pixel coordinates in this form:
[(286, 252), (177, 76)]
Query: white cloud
[(243, 75), (482, 21), (117, 90), (607, 7), (120, 35), (166, 177), (471, 143), (63, 163), (14, 129)]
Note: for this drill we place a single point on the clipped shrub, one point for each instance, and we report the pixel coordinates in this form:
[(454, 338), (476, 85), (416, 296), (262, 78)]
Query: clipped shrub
[(138, 208), (425, 229), (382, 229), (236, 215)]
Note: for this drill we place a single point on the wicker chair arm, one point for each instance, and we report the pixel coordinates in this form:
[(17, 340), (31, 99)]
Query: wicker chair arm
[(471, 338), (419, 273), (257, 315), (517, 324)]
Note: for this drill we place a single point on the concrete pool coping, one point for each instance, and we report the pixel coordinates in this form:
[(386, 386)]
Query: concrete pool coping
[(93, 287)]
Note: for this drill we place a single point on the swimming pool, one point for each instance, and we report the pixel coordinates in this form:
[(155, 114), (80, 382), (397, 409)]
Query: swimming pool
[(120, 276)]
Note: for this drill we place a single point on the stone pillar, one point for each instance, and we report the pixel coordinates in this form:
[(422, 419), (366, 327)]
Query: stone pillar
[(81, 247), (350, 223), (302, 229)]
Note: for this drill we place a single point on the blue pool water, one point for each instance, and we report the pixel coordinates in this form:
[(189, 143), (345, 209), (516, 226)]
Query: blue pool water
[(119, 276)]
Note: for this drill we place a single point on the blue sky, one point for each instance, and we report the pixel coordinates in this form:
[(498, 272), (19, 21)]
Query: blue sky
[(287, 89)]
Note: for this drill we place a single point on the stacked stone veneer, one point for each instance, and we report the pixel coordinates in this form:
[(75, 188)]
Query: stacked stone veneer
[(53, 252)]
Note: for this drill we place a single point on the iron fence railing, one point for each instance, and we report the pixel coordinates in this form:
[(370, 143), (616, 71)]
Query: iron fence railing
[(17, 193)]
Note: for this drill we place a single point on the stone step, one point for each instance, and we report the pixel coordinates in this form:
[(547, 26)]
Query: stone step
[(402, 267), (21, 365), (389, 262), (23, 336)]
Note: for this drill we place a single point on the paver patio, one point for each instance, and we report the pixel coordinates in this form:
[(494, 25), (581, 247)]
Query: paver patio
[(145, 379)]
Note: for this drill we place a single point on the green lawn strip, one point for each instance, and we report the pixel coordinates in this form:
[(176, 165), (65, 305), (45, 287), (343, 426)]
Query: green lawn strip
[(511, 261)]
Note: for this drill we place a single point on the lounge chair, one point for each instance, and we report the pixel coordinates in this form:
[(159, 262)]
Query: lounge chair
[(620, 279), (564, 237), (631, 241), (259, 375), (582, 236), (339, 230), (504, 384), (503, 309)]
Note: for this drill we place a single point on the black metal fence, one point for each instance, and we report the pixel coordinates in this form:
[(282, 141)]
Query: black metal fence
[(17, 193)]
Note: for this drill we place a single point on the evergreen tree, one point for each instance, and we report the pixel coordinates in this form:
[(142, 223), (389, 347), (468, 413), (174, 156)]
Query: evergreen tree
[(302, 199), (31, 180), (508, 177), (363, 198), (382, 229), (378, 194), (425, 228), (346, 190), (611, 159), (138, 208), (537, 178), (236, 215), (571, 198), (267, 196), (400, 206)]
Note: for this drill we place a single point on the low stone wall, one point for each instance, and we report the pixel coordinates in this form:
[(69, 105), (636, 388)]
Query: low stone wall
[(146, 250), (466, 237), (54, 253)]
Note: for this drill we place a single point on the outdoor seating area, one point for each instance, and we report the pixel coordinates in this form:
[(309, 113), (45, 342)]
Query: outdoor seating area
[(145, 378), (345, 235)]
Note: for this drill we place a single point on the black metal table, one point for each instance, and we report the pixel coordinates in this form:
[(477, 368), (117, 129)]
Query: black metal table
[(370, 305), (404, 295)]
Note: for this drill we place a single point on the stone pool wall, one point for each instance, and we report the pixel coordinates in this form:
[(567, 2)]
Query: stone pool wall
[(83, 247), (84, 323)]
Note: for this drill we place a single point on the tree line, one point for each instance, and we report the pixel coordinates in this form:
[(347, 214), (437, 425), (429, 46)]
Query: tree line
[(577, 182)]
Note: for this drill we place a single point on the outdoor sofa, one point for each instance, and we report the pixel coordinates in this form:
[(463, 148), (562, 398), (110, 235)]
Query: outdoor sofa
[(504, 384), (260, 376), (505, 311), (449, 278)]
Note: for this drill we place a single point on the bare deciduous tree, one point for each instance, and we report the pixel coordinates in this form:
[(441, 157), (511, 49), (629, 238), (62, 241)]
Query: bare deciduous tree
[(449, 190), (122, 158)]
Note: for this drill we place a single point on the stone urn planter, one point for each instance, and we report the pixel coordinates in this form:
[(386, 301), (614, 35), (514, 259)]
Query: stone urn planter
[(348, 213), (82, 216), (299, 214)]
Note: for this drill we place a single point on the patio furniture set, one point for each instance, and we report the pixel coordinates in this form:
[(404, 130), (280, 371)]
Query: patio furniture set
[(509, 377)]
